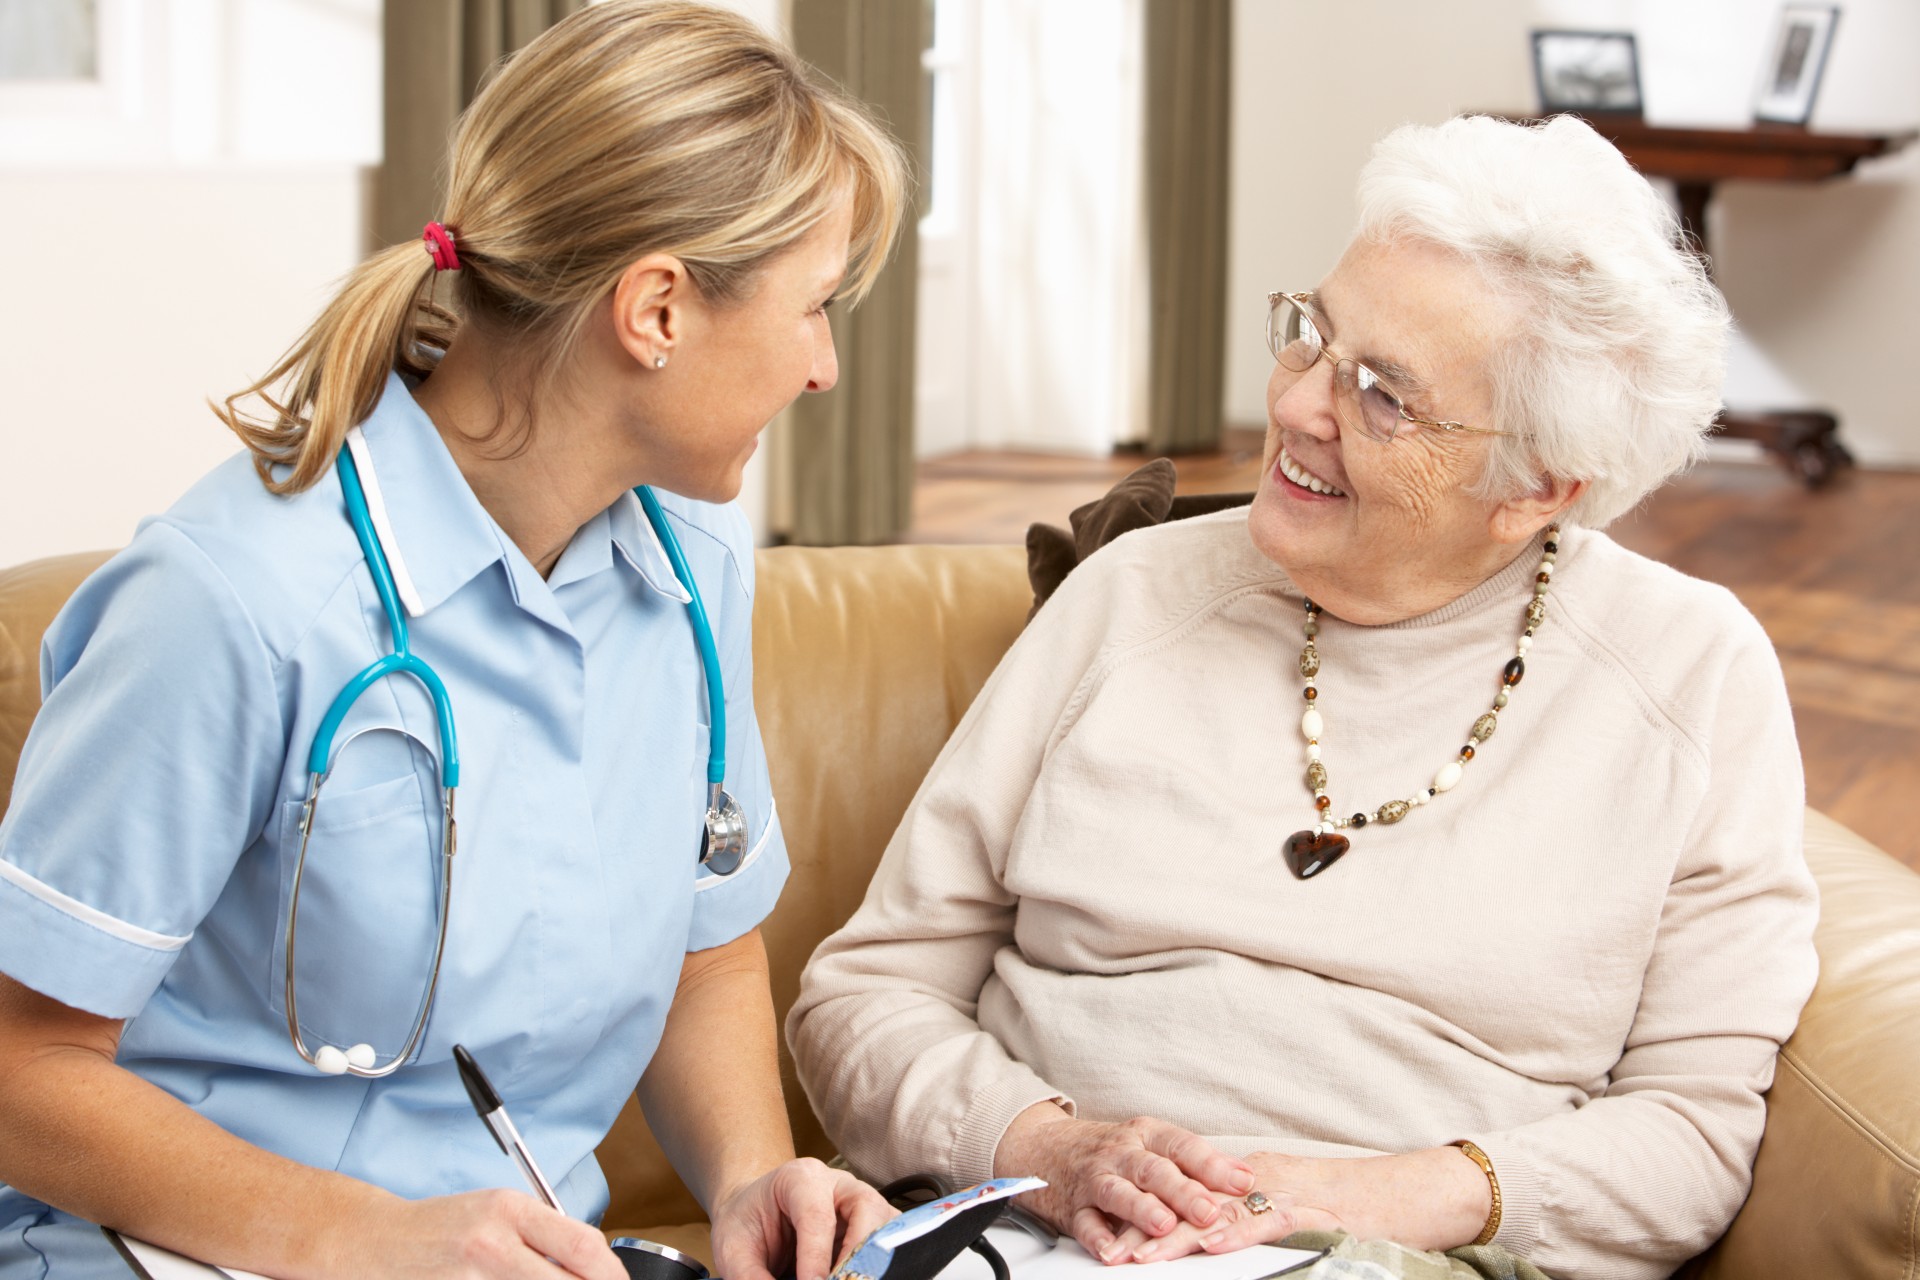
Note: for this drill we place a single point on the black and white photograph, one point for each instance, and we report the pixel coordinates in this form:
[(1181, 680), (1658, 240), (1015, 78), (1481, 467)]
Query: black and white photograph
[(1589, 71), (1790, 77)]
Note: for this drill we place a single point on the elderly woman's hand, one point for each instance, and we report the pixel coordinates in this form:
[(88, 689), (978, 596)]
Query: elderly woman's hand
[(1144, 1176), (1432, 1199)]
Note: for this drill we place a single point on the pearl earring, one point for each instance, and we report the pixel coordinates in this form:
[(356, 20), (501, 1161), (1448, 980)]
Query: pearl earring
[(659, 362)]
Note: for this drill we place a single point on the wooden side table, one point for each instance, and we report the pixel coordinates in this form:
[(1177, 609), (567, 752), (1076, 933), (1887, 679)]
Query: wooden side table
[(1694, 160)]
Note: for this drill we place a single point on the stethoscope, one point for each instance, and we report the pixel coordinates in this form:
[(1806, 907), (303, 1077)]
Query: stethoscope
[(723, 842)]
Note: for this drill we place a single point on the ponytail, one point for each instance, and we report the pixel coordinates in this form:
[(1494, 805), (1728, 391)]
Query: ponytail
[(382, 319), (629, 127)]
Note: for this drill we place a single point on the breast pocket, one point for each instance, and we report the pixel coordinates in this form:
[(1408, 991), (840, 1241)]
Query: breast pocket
[(369, 893), (669, 810)]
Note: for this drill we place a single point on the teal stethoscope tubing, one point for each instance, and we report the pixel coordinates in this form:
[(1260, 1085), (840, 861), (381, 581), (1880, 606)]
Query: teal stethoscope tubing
[(722, 848), (702, 632), (402, 658)]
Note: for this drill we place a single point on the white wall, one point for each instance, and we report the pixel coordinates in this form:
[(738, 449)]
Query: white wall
[(1822, 279), (133, 298), (163, 237)]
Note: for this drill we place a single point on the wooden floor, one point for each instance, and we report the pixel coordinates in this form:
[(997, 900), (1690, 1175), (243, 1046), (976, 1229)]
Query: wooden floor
[(1832, 576)]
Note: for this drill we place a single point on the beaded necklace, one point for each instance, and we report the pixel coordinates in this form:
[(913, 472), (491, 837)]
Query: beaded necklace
[(1312, 851)]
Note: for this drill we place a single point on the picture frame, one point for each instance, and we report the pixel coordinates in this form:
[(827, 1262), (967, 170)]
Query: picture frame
[(1588, 72), (1790, 77)]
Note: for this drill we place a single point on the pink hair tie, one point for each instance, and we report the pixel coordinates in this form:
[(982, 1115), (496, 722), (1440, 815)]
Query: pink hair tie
[(440, 247)]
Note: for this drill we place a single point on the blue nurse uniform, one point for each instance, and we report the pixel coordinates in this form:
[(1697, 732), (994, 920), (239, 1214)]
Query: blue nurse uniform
[(146, 859)]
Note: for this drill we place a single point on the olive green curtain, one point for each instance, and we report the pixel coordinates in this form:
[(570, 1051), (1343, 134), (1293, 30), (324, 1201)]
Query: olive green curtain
[(847, 456), (435, 53), (1188, 52)]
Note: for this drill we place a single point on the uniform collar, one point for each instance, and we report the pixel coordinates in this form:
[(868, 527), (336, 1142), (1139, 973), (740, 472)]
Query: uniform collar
[(640, 546), (623, 526), (436, 535)]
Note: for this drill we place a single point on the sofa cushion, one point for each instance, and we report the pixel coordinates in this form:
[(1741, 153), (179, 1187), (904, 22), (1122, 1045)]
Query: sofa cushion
[(30, 595)]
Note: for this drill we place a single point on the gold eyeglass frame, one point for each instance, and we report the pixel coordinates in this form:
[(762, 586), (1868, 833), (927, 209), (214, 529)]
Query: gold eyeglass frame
[(1303, 301)]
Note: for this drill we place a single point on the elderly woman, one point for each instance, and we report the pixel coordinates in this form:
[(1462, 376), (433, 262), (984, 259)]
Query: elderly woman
[(1399, 856)]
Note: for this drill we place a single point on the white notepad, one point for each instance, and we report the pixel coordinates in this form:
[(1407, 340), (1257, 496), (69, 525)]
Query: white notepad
[(1029, 1259), (155, 1263)]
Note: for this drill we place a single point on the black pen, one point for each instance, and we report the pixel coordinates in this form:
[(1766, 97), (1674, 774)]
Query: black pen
[(487, 1103)]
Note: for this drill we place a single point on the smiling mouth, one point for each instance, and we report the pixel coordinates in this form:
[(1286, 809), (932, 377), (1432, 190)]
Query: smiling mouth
[(1292, 470)]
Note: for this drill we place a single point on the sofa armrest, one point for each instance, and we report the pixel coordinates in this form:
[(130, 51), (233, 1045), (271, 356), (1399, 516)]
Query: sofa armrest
[(30, 594), (1836, 1187)]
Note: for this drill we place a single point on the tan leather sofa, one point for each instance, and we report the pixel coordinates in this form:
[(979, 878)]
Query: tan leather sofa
[(866, 659)]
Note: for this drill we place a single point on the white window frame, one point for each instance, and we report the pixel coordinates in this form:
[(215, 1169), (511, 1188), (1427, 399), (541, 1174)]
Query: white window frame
[(118, 115)]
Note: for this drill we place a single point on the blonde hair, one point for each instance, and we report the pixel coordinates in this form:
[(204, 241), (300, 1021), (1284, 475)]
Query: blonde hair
[(631, 127)]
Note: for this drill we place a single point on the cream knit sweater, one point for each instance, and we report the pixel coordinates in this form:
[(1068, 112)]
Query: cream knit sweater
[(1582, 958)]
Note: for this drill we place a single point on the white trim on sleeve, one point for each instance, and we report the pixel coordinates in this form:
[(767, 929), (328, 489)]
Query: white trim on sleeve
[(85, 914), (707, 882), (382, 526)]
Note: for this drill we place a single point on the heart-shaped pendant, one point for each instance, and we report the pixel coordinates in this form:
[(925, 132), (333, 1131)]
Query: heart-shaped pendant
[(1311, 852)]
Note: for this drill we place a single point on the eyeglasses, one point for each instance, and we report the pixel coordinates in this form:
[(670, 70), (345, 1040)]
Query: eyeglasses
[(1366, 403)]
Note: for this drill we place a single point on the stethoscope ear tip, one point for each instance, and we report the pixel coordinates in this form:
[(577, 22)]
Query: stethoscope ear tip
[(332, 1061)]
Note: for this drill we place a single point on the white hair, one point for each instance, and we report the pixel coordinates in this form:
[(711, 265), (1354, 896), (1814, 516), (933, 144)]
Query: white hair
[(1613, 373)]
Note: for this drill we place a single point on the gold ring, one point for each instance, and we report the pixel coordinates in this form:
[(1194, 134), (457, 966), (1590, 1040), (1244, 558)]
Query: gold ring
[(1257, 1202)]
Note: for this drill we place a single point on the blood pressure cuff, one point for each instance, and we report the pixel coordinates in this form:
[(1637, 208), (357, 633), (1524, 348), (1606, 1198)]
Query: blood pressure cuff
[(922, 1257), (920, 1243)]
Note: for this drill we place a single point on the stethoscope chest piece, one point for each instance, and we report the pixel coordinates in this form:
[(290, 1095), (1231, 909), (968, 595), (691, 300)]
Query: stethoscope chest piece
[(723, 845)]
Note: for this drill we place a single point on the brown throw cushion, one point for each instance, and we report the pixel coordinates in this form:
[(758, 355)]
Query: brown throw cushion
[(1144, 498)]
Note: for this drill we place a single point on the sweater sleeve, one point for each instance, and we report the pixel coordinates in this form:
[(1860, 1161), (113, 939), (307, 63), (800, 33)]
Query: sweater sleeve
[(884, 1031), (1653, 1168)]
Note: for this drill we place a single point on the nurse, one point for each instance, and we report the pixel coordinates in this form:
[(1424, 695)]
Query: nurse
[(649, 211)]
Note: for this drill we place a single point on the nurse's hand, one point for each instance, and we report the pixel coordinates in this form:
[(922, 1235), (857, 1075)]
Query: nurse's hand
[(802, 1219), (481, 1235)]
